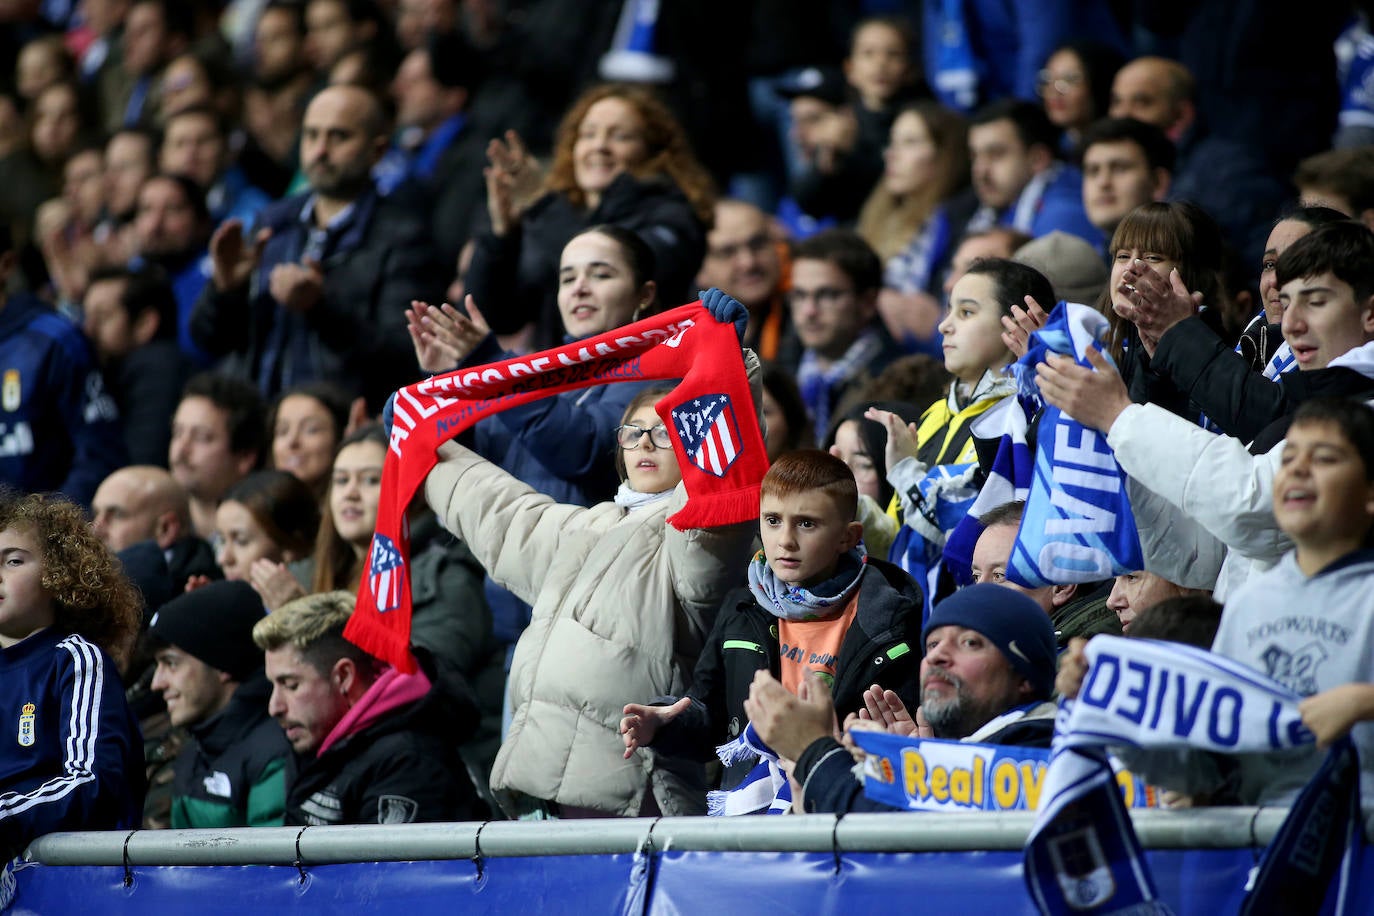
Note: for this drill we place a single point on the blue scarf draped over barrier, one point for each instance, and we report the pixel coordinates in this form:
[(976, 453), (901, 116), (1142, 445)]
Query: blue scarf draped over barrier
[(1078, 525), (1082, 855)]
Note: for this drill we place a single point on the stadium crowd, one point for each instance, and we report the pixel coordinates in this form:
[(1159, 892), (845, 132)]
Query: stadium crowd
[(232, 229)]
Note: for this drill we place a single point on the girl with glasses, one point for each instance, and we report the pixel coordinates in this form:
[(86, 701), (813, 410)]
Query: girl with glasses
[(622, 602)]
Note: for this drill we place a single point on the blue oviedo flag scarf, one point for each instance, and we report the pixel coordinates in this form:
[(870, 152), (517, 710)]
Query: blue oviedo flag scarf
[(1078, 525), (1082, 855)]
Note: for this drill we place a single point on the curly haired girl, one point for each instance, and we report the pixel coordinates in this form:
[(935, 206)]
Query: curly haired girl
[(68, 615)]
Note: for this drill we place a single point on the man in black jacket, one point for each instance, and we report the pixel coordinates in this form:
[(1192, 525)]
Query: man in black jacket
[(439, 153), (815, 603), (321, 290), (130, 318), (234, 769), (373, 745), (987, 676)]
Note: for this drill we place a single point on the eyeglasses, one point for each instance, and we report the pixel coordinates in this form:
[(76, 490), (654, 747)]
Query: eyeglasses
[(1061, 83), (756, 244), (826, 297), (629, 435)]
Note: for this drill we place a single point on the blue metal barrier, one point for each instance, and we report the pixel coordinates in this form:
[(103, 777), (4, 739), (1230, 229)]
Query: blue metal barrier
[(769, 865)]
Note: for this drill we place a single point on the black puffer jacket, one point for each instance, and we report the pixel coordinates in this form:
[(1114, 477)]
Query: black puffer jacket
[(514, 278), (1242, 402), (235, 772), (403, 768), (882, 646)]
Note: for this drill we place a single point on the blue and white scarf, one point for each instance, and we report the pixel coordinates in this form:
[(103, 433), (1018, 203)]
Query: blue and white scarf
[(793, 602), (933, 508), (910, 270), (1078, 525), (765, 790), (1082, 854), (633, 56), (1008, 480), (955, 77), (818, 383)]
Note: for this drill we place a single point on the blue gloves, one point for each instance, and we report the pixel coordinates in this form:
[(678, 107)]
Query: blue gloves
[(726, 309)]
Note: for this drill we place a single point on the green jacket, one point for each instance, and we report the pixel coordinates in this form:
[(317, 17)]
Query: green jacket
[(235, 769)]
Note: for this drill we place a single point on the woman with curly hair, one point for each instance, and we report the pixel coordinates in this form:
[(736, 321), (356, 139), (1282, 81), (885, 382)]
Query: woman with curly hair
[(68, 618), (619, 157)]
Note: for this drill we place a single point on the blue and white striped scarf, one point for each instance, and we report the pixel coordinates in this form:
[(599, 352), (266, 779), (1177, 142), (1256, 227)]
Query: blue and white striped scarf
[(818, 384), (764, 790), (1008, 479), (1078, 525), (1082, 855), (933, 508)]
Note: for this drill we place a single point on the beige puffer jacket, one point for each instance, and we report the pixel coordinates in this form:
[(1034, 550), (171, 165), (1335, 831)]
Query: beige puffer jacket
[(622, 602)]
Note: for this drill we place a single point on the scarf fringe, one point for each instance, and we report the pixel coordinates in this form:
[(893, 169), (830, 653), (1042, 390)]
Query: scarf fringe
[(737, 751), (717, 509)]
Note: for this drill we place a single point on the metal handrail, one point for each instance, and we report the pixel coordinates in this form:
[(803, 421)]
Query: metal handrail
[(1199, 828)]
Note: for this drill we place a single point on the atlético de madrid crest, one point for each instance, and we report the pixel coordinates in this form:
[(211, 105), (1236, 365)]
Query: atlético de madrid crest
[(26, 716), (386, 573), (709, 433)]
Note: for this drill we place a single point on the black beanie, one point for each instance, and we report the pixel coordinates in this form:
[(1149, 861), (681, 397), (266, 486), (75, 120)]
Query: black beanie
[(214, 623)]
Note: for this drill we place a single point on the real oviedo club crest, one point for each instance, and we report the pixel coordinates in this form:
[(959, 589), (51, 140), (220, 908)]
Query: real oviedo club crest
[(386, 573), (709, 433), (26, 717)]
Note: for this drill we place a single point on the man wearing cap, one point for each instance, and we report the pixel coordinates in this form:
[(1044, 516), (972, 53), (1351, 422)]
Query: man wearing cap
[(987, 677), (234, 770)]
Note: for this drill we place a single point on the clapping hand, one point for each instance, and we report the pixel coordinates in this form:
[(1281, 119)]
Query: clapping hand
[(1024, 322), (1154, 304), (232, 261), (443, 336), (514, 178), (901, 436)]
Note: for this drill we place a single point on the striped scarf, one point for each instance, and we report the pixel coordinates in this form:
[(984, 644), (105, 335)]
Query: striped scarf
[(1082, 854), (818, 383)]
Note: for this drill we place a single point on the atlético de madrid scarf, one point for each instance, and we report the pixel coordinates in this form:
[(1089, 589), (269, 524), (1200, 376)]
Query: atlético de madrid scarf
[(710, 413)]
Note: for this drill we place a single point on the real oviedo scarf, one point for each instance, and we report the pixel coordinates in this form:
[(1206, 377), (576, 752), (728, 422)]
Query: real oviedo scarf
[(1077, 525), (710, 414)]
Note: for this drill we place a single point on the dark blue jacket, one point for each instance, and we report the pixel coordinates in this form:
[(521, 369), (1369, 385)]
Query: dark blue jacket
[(75, 759), (374, 265), (59, 428)]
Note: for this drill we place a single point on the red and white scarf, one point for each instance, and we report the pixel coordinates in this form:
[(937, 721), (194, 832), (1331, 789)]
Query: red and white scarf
[(710, 414)]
